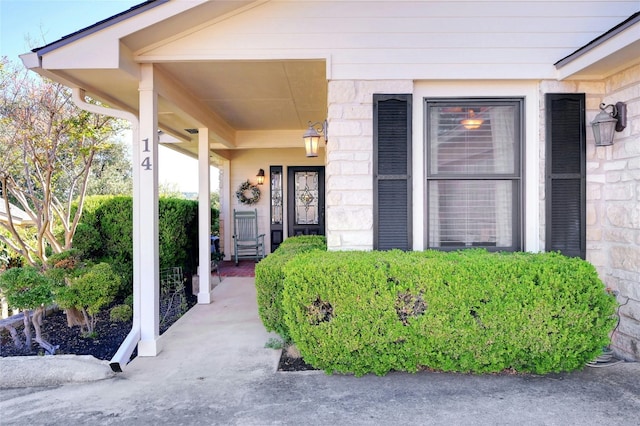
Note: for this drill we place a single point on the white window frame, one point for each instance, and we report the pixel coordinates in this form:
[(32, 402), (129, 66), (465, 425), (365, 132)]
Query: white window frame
[(514, 178), (532, 93)]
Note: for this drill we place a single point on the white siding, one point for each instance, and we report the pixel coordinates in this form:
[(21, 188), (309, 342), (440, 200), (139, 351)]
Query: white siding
[(406, 40)]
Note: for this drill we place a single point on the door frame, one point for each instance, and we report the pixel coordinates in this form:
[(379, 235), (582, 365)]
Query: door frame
[(290, 187)]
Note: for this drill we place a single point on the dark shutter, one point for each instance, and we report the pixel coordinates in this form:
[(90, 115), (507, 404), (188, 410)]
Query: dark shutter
[(565, 174), (392, 172)]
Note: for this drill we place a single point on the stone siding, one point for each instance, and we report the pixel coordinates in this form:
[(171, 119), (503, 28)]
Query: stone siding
[(349, 161), (616, 211), (613, 199)]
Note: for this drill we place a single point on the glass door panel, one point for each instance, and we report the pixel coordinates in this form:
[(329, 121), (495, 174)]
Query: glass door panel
[(305, 200)]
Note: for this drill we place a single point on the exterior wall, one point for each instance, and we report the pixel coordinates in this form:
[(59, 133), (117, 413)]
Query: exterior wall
[(614, 211), (613, 177), (613, 199), (369, 40), (350, 154), (244, 164), (349, 181)]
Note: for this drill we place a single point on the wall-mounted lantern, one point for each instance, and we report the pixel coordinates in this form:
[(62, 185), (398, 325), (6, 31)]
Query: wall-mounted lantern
[(605, 124), (311, 137), (260, 177)]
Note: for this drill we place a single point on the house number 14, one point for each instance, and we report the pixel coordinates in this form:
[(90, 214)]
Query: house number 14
[(146, 163)]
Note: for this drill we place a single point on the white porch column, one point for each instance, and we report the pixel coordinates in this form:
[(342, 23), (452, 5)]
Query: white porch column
[(204, 217), (147, 215), (225, 208)]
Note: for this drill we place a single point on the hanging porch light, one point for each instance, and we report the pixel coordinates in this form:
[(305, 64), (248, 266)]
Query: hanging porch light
[(260, 177), (605, 124), (311, 137)]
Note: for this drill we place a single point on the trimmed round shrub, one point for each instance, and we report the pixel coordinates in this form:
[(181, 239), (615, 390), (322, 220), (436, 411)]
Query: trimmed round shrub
[(270, 278), (94, 289), (26, 288), (467, 311), (121, 313)]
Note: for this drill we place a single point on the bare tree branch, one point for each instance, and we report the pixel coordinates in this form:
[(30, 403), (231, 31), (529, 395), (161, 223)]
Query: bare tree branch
[(47, 149)]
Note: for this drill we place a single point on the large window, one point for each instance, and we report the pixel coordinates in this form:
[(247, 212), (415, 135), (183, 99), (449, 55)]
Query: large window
[(474, 173)]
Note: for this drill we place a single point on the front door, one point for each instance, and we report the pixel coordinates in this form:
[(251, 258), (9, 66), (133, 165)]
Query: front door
[(305, 200)]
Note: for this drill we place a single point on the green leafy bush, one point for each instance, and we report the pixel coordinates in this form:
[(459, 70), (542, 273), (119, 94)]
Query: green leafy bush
[(178, 232), (87, 239), (469, 311), (63, 266), (270, 277), (26, 288), (121, 313), (89, 293), (105, 234)]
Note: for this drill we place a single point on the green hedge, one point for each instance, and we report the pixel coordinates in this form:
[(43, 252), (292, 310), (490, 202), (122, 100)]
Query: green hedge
[(469, 311), (105, 233), (270, 277)]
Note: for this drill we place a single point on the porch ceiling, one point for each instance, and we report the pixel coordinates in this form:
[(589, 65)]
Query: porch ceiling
[(255, 97)]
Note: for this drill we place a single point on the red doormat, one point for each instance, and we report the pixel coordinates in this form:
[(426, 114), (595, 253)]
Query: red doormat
[(245, 268)]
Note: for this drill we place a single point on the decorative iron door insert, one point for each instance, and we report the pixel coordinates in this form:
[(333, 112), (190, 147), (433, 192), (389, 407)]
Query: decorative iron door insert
[(305, 192), (275, 173)]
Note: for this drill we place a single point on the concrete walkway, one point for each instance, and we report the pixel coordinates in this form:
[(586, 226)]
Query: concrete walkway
[(214, 370)]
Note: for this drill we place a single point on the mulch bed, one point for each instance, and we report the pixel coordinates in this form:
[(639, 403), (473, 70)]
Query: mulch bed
[(292, 361), (109, 336), (55, 330), (288, 363)]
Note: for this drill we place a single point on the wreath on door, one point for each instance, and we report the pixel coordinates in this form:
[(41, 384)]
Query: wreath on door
[(253, 189)]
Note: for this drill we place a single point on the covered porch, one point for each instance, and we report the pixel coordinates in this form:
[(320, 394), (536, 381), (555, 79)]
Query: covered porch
[(241, 113)]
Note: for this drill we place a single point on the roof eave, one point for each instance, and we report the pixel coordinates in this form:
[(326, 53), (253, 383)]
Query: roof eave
[(98, 26), (620, 37)]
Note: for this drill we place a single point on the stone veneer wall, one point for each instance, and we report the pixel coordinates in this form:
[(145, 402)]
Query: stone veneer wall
[(614, 211), (349, 162), (613, 199)]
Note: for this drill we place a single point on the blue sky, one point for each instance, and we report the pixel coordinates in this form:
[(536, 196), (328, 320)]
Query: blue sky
[(45, 21)]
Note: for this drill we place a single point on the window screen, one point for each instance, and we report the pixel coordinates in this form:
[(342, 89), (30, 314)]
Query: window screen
[(473, 173)]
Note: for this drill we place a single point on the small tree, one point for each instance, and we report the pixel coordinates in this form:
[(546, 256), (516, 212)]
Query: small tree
[(111, 171), (47, 149), (27, 289), (89, 293)]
